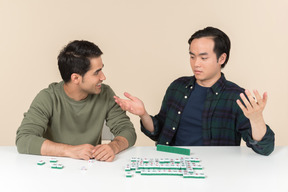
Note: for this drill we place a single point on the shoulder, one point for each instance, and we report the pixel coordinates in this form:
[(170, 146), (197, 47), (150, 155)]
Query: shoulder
[(233, 87), (45, 99), (106, 95), (105, 87), (178, 87), (106, 90), (232, 91), (52, 89), (50, 93)]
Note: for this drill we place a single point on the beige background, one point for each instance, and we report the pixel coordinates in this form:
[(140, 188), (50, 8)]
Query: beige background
[(145, 48)]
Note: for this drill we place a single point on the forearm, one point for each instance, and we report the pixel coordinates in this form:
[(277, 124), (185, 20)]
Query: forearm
[(147, 122), (259, 128), (266, 145), (83, 151), (50, 148)]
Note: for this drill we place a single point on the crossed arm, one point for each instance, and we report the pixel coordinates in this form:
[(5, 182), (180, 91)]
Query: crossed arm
[(103, 152)]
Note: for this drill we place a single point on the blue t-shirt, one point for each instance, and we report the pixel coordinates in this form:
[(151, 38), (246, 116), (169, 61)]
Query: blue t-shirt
[(189, 132)]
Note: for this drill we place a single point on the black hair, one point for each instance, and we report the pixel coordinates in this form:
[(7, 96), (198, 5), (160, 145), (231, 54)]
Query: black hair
[(222, 42), (75, 58)]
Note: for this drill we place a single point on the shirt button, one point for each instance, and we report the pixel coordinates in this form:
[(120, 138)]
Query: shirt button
[(179, 112), (185, 97), (174, 128), (167, 143), (216, 93), (191, 87)]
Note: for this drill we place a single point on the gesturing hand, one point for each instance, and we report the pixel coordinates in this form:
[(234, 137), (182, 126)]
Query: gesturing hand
[(254, 108), (132, 104)]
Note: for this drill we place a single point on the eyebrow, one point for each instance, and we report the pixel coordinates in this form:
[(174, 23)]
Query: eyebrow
[(98, 70), (199, 54)]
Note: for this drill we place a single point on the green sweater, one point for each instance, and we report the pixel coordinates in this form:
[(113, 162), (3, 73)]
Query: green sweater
[(54, 116)]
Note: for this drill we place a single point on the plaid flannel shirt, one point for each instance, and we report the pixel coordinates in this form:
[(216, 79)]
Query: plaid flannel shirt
[(224, 123)]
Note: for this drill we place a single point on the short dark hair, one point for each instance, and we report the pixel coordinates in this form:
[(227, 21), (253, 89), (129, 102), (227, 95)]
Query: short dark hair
[(75, 58), (221, 41)]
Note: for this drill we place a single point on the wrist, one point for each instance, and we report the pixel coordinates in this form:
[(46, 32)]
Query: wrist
[(114, 146), (259, 120), (67, 150), (145, 115), (119, 144), (258, 127)]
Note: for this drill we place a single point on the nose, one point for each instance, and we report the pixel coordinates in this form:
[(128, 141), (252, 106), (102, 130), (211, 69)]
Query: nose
[(197, 62), (102, 77)]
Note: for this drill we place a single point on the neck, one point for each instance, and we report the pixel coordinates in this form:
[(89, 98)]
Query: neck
[(73, 92), (208, 82)]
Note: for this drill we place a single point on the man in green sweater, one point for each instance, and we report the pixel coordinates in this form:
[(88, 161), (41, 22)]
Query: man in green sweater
[(66, 119)]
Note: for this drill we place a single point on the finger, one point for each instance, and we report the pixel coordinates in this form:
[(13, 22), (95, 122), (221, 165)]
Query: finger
[(242, 107), (110, 159), (265, 97), (90, 155), (245, 101), (86, 153), (251, 98), (101, 156), (106, 157), (124, 105), (258, 97), (129, 96), (118, 100), (87, 157), (98, 149)]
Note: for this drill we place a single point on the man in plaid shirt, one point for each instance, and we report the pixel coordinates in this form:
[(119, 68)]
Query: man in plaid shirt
[(206, 109)]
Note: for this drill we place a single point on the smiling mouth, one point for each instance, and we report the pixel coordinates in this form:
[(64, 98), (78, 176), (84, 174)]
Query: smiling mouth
[(99, 85)]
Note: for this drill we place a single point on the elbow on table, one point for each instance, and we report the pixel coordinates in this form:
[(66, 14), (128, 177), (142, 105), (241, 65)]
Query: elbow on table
[(266, 151), (29, 144), (22, 144), (21, 147)]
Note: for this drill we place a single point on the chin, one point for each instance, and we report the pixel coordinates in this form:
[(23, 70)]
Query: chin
[(199, 77), (98, 92)]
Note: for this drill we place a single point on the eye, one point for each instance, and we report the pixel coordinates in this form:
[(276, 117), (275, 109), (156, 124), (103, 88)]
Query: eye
[(204, 58), (97, 72)]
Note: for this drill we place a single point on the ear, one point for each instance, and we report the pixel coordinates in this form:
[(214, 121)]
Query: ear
[(75, 78), (222, 58)]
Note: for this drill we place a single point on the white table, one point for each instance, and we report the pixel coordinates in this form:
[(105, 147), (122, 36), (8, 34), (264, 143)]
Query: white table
[(227, 169)]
